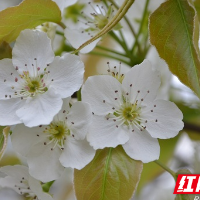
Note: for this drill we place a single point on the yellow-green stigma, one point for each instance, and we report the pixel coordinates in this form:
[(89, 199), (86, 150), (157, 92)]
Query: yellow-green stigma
[(57, 133), (101, 21), (32, 85), (130, 113)]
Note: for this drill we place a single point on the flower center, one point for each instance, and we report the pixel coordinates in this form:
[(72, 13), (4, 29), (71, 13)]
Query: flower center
[(128, 114), (100, 21), (57, 133), (32, 85)]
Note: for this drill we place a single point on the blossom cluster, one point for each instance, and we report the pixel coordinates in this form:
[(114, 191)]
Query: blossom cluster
[(53, 131)]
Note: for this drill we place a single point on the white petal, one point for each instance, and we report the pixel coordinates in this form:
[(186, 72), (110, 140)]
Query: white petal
[(30, 45), (76, 38), (77, 153), (104, 133), (141, 82), (67, 74), (16, 171), (79, 119), (141, 146), (8, 111), (36, 187), (100, 89), (10, 182), (64, 3), (23, 138), (7, 78), (165, 121), (65, 109), (40, 109), (43, 162)]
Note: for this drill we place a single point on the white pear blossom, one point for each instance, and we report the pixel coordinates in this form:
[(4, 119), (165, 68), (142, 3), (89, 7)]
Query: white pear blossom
[(92, 24), (34, 81), (49, 149), (18, 178), (127, 112)]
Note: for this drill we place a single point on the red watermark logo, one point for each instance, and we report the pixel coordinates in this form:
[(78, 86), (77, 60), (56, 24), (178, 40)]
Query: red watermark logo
[(187, 184)]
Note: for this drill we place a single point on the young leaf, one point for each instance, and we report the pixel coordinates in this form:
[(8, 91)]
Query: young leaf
[(112, 175), (3, 140), (174, 31), (186, 197), (27, 15), (197, 7), (5, 50)]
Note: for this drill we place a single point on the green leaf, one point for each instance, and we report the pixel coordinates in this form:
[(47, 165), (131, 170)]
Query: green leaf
[(3, 140), (197, 7), (112, 175), (174, 31), (5, 50), (186, 197), (27, 15)]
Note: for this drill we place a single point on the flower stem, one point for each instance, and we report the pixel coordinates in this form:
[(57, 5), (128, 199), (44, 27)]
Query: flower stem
[(129, 25), (166, 168), (109, 56), (141, 25), (79, 95), (61, 24), (110, 50), (120, 14)]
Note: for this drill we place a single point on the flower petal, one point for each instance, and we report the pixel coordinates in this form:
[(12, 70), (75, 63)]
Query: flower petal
[(32, 48), (16, 171), (40, 109), (64, 3), (8, 79), (77, 153), (8, 111), (141, 146), (36, 187), (103, 93), (164, 119), (104, 133), (66, 74), (77, 37), (9, 182), (142, 83), (79, 119), (23, 138), (43, 162)]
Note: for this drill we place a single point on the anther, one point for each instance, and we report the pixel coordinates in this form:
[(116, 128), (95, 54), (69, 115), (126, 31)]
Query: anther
[(115, 98), (16, 79), (104, 101), (116, 91), (45, 143), (131, 85), (156, 120), (72, 122), (154, 105), (64, 111), (151, 110)]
